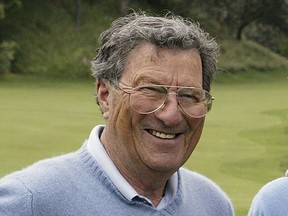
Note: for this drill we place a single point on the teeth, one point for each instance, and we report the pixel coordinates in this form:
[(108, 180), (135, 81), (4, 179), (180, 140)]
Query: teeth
[(163, 135)]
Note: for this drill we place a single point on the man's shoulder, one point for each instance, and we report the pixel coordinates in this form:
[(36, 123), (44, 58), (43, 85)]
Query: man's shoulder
[(200, 189), (191, 177), (44, 171), (49, 182), (194, 182), (198, 182)]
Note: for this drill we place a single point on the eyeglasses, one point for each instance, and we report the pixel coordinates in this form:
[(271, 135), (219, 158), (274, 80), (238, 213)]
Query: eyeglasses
[(147, 99)]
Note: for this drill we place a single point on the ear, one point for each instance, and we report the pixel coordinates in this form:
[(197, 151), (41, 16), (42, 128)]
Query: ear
[(103, 91)]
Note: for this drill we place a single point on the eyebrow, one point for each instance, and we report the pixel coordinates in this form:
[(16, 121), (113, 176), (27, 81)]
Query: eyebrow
[(145, 80)]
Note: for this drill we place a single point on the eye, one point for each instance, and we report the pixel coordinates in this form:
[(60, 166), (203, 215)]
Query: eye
[(152, 90), (191, 98), (191, 95)]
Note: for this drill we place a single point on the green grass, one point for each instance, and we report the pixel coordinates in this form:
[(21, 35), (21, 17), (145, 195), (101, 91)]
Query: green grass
[(43, 118), (244, 144)]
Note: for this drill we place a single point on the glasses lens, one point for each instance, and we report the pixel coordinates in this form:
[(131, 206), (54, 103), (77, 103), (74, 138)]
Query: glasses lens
[(147, 99), (194, 102)]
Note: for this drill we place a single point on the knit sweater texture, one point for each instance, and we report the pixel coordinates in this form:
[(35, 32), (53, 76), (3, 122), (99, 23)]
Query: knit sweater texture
[(272, 199), (75, 185)]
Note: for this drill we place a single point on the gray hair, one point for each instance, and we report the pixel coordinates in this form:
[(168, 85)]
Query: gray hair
[(170, 31)]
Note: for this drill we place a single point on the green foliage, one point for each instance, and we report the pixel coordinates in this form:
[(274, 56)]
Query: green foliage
[(269, 37), (241, 56), (7, 4), (2, 11), (50, 43), (7, 48), (7, 52)]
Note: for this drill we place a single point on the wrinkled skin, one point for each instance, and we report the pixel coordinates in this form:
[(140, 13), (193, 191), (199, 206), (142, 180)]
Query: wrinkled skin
[(148, 149)]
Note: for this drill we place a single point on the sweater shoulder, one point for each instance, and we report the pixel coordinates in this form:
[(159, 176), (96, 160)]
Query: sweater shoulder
[(73, 180), (273, 192), (39, 182), (200, 189), (277, 187), (271, 199), (191, 177), (48, 171)]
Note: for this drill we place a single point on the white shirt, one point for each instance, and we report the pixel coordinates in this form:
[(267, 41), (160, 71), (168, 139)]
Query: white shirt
[(97, 150)]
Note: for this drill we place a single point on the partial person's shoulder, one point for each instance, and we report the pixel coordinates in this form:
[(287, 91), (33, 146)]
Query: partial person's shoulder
[(17, 190), (275, 188), (192, 177), (271, 199), (195, 182), (206, 191), (282, 181), (44, 170)]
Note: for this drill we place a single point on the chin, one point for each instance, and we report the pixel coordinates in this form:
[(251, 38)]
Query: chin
[(167, 166)]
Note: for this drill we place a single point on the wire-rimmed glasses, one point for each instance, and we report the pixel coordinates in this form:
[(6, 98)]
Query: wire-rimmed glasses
[(147, 99)]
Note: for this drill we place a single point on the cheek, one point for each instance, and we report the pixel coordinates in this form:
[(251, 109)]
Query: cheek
[(123, 119), (193, 138), (197, 125), (119, 105)]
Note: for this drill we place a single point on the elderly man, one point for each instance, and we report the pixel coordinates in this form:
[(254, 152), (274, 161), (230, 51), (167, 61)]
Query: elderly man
[(153, 78)]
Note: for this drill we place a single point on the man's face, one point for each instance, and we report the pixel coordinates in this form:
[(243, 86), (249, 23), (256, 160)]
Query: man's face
[(161, 141)]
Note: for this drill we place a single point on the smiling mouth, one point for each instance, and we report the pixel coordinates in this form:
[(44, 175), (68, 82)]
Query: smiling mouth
[(162, 135)]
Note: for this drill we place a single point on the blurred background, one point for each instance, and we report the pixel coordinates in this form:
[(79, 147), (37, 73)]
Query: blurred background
[(47, 105), (59, 37)]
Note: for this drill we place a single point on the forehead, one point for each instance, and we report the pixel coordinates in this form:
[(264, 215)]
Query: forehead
[(151, 64)]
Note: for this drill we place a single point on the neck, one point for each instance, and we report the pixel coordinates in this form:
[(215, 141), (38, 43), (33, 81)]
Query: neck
[(146, 181), (150, 186)]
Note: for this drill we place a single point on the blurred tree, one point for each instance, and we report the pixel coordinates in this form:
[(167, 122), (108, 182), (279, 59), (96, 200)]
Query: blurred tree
[(274, 13), (73, 8), (181, 7), (7, 48), (125, 6), (2, 11), (7, 4), (7, 54), (78, 12), (238, 14), (270, 37)]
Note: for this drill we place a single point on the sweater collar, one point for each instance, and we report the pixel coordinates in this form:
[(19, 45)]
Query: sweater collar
[(96, 149)]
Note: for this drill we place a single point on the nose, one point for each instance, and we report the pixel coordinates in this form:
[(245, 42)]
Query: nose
[(170, 113)]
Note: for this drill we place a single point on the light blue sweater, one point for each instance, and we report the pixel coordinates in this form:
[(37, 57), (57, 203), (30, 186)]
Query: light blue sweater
[(74, 185), (271, 200)]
